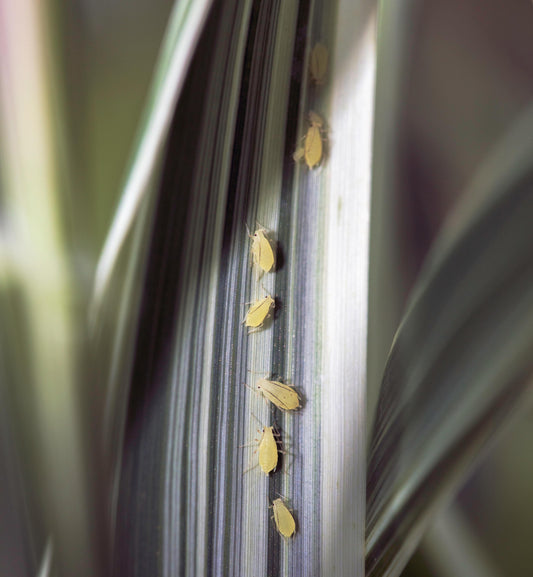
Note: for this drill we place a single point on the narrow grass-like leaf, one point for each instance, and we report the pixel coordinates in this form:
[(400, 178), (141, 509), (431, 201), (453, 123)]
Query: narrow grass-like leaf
[(229, 164), (114, 306), (46, 487), (185, 26), (460, 364), (452, 548)]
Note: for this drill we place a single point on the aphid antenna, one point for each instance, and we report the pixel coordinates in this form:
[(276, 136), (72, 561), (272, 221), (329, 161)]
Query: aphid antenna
[(284, 499), (264, 288), (250, 444), (256, 372), (246, 445), (251, 468), (255, 391), (281, 497), (257, 420)]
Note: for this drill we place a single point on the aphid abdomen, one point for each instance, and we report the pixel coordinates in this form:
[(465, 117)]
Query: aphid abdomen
[(318, 63), (313, 147), (265, 256), (258, 312), (283, 518), (268, 451)]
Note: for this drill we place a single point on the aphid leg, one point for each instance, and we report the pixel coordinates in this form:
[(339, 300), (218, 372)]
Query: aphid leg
[(251, 236), (260, 271), (244, 305), (280, 448), (299, 154), (250, 468), (279, 443), (256, 441), (249, 445)]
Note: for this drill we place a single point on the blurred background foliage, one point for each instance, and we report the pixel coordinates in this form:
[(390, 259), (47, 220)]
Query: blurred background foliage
[(469, 76), (109, 55)]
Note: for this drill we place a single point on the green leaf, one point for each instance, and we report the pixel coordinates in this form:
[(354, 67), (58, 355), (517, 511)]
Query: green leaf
[(460, 364)]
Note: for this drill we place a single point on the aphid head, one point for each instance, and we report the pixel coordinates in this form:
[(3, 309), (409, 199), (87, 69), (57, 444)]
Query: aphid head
[(315, 120)]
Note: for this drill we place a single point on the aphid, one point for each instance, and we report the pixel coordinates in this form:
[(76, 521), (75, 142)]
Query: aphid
[(283, 396), (318, 63), (268, 451), (312, 150), (259, 311), (262, 251), (283, 518)]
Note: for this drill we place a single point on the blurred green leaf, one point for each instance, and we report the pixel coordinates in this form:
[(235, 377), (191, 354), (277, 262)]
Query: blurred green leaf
[(460, 365)]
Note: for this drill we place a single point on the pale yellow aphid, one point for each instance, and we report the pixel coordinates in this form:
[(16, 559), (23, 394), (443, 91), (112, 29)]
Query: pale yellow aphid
[(262, 250), (268, 451), (312, 150), (318, 63), (283, 518), (283, 396), (258, 312)]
